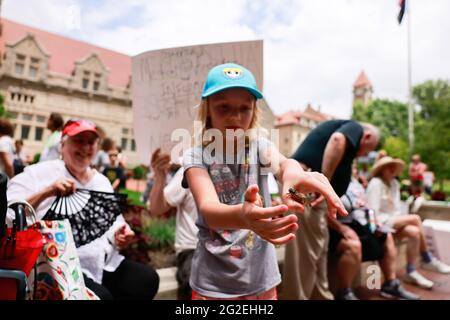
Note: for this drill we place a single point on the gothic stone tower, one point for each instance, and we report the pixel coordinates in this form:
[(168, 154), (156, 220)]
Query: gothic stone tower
[(362, 89)]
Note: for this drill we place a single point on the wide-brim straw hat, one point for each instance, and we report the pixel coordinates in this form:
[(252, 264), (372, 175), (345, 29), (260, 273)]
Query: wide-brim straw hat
[(386, 161)]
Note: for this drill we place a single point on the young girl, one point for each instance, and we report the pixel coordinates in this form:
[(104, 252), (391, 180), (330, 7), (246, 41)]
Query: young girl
[(235, 257)]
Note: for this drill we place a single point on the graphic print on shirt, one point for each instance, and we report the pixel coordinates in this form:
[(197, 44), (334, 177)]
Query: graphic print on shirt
[(230, 186)]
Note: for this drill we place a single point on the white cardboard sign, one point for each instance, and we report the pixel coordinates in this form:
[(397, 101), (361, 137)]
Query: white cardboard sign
[(167, 84)]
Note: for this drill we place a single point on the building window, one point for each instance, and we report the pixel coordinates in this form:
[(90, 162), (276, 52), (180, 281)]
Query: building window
[(20, 64), (13, 114), (85, 83), (124, 143), (33, 72), (133, 145), (38, 133), (19, 68), (27, 116), (40, 118), (97, 78), (25, 132), (125, 130)]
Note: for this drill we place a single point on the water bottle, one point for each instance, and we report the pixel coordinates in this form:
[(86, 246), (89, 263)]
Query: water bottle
[(371, 217)]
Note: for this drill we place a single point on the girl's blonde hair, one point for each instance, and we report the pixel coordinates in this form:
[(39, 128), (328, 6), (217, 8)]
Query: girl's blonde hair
[(205, 121)]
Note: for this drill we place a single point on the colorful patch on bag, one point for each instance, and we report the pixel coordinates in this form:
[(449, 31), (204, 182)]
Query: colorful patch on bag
[(75, 275), (49, 224), (52, 251), (60, 237), (48, 237)]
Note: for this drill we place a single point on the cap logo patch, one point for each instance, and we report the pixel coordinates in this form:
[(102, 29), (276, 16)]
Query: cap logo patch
[(233, 73)]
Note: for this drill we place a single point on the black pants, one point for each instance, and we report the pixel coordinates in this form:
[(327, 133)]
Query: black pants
[(372, 244), (131, 280), (183, 263)]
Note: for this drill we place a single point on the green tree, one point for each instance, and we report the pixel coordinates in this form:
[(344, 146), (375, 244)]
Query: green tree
[(391, 117), (431, 125), (432, 129), (396, 147), (2, 107)]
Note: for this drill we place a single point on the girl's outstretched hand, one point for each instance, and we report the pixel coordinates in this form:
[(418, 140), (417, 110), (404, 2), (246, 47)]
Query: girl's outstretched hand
[(266, 222), (313, 182)]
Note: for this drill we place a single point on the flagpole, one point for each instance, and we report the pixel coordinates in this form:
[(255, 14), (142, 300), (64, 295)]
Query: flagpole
[(410, 102)]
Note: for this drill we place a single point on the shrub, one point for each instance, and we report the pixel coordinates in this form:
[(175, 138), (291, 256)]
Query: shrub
[(138, 172), (36, 158), (160, 232)]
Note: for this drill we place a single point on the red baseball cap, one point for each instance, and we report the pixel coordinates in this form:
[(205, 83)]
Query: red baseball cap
[(74, 127)]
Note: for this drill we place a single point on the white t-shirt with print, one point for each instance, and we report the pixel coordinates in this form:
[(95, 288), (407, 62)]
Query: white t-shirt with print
[(95, 256)]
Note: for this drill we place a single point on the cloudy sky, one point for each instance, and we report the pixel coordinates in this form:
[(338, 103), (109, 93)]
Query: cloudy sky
[(313, 49)]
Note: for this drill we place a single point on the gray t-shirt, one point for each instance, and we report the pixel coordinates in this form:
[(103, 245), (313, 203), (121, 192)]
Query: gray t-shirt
[(232, 263)]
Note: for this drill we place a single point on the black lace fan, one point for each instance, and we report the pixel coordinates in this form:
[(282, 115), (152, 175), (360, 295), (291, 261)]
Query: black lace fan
[(91, 213)]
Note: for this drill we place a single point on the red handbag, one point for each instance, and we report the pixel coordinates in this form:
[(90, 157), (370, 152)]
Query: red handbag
[(19, 250)]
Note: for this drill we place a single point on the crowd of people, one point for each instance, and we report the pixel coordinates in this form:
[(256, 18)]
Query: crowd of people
[(228, 216)]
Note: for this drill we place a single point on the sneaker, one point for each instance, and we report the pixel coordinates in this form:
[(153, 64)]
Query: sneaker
[(346, 294), (418, 279), (393, 289), (436, 266)]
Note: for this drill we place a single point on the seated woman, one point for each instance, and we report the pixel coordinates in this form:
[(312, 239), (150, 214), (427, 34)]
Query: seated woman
[(383, 195), (354, 240), (105, 271)]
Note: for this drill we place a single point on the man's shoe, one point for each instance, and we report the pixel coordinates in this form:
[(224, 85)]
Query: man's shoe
[(346, 294), (436, 266), (393, 289), (418, 279)]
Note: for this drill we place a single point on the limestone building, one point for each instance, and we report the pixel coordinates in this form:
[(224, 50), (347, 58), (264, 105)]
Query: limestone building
[(41, 72), (294, 126)]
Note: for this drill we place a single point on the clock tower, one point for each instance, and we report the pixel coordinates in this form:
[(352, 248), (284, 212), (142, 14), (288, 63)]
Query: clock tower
[(362, 89)]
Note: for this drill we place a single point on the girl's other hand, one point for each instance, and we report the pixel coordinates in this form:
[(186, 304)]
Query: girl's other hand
[(265, 221)]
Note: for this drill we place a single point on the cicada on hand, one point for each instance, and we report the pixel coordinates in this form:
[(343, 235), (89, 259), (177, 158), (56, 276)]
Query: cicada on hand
[(300, 197)]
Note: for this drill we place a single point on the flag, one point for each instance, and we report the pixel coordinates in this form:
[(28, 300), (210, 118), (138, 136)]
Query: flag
[(402, 4)]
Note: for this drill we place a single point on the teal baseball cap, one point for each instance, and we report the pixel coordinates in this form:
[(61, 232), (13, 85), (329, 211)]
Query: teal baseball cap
[(230, 75)]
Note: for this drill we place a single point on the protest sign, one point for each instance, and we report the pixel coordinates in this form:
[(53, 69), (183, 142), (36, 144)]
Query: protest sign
[(167, 85)]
